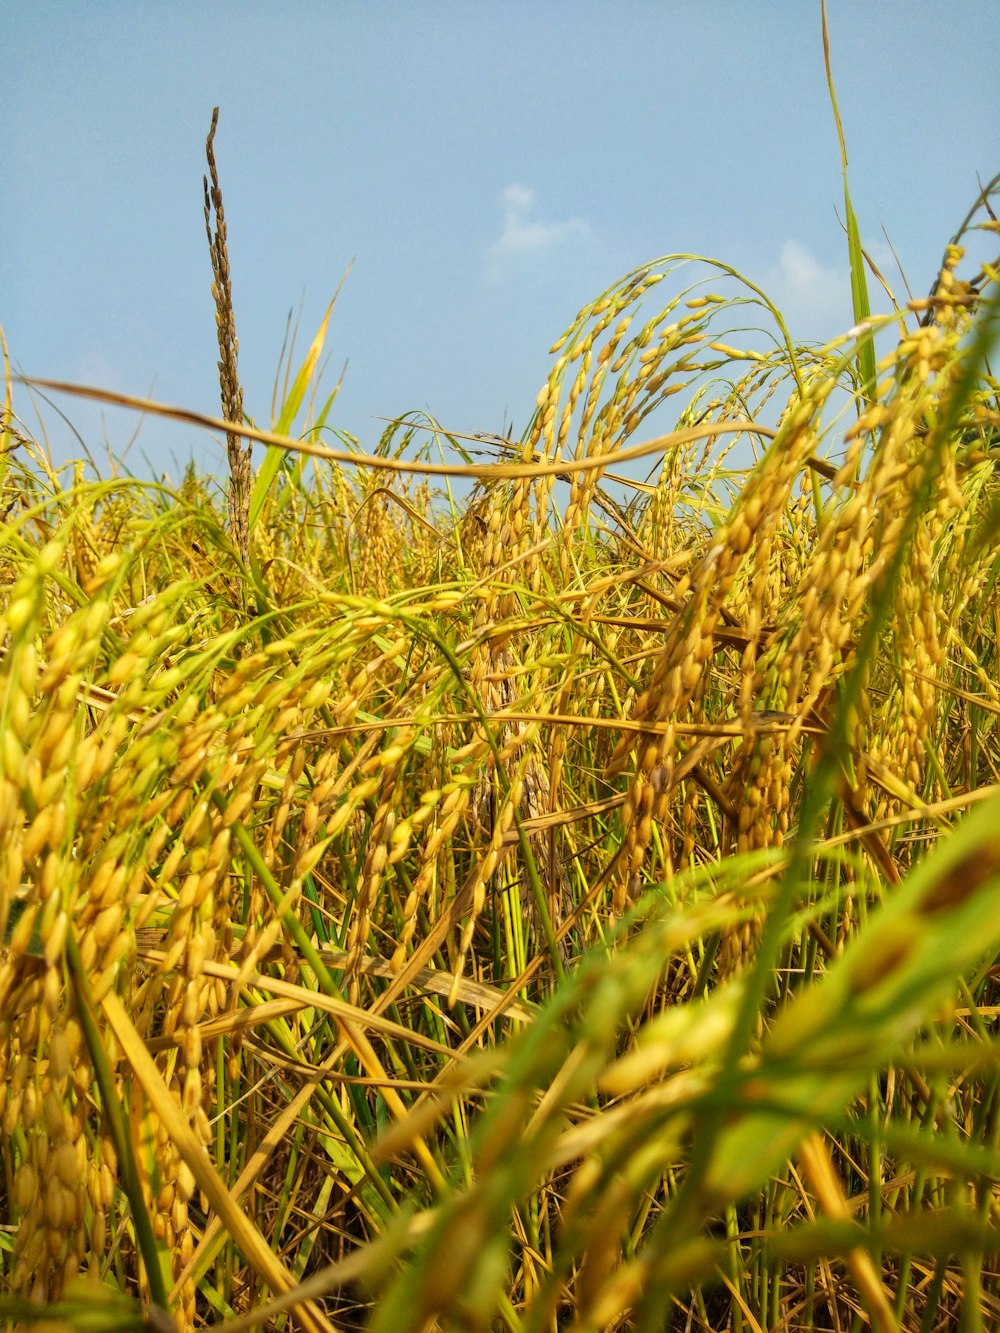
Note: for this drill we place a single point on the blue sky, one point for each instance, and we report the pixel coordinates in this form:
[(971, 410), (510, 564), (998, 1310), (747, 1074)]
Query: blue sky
[(490, 166)]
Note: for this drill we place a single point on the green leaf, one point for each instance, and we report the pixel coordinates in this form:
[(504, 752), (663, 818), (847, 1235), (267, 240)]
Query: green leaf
[(859, 284), (290, 409)]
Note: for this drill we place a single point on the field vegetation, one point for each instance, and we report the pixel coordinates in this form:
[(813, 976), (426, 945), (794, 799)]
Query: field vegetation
[(543, 899)]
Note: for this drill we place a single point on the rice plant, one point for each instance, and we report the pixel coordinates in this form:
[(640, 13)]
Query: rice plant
[(570, 905)]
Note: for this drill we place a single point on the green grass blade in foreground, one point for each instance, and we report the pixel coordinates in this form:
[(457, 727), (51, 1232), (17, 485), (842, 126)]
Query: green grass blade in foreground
[(87, 1307), (942, 921)]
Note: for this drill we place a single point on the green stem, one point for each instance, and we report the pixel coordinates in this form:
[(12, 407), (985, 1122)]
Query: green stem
[(116, 1124)]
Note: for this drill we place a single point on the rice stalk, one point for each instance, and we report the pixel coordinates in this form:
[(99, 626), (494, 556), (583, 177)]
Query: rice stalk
[(240, 475)]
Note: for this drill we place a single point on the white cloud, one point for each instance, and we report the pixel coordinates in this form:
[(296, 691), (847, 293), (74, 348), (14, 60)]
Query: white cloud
[(95, 369), (814, 300), (523, 237)]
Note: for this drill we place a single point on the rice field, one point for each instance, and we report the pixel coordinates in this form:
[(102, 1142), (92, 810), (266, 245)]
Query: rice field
[(459, 884)]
